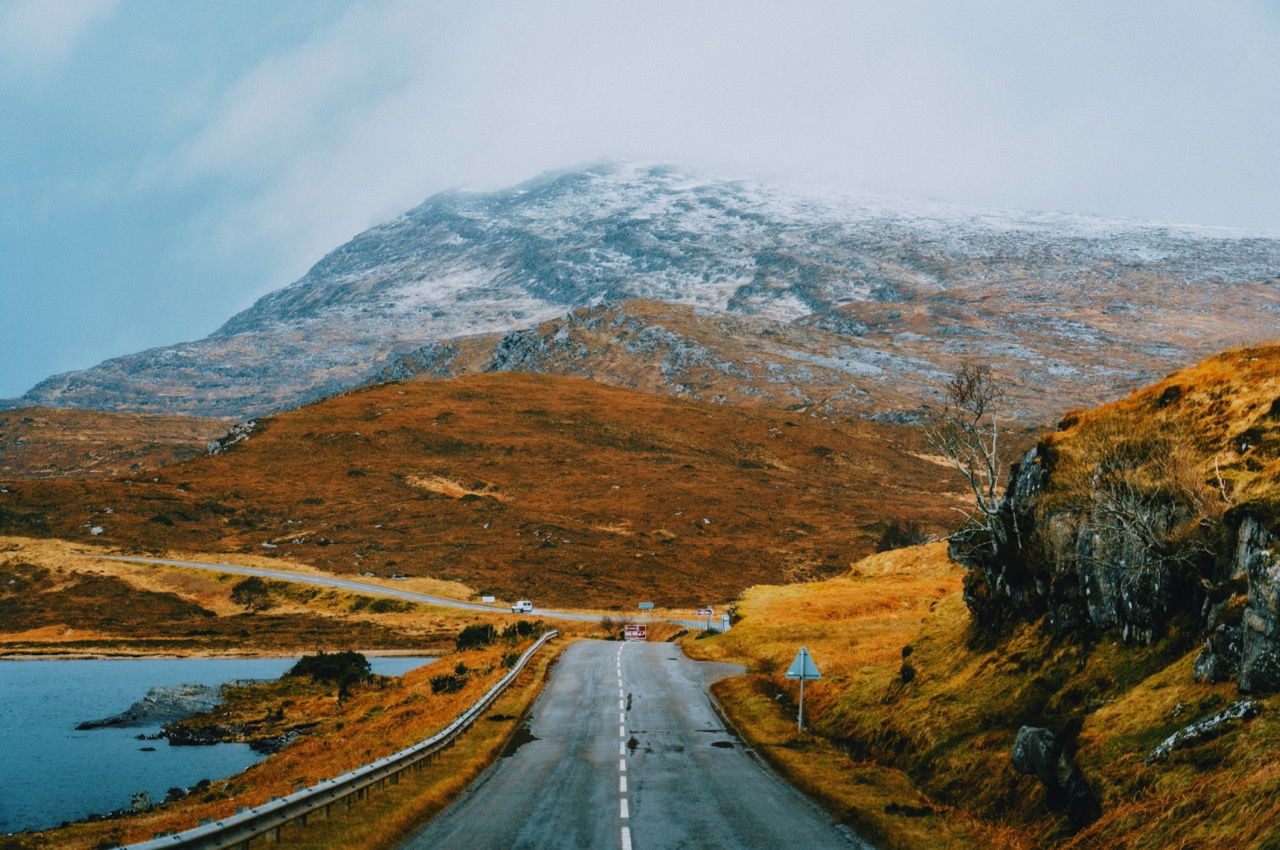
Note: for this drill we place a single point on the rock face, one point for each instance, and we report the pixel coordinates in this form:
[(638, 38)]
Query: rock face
[(1260, 624), (1038, 752), (1084, 563), (161, 705), (1126, 524), (893, 276)]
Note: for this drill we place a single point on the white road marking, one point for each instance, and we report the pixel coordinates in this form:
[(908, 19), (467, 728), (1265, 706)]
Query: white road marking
[(622, 748), (622, 762)]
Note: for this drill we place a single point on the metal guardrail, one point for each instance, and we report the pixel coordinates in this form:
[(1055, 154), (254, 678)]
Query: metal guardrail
[(240, 829)]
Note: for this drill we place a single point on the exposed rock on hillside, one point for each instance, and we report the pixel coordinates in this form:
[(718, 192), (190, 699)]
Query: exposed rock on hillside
[(1101, 305), (1155, 511)]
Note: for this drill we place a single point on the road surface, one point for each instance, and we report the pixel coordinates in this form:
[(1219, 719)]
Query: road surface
[(383, 590), (623, 750)]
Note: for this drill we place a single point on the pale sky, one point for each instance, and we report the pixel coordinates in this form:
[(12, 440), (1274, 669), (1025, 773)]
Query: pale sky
[(163, 164)]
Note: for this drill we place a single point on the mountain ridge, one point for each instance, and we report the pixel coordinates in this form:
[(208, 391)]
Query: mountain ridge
[(468, 263)]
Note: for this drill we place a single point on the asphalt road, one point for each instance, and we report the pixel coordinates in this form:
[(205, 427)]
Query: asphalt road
[(383, 590), (623, 750)]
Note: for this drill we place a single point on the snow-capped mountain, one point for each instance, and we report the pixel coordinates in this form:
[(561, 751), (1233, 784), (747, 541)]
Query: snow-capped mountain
[(1112, 302)]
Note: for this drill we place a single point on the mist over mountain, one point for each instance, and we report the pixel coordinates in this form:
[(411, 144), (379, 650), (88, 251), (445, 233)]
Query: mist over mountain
[(883, 288)]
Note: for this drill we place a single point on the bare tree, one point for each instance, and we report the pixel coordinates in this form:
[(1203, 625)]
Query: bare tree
[(966, 430)]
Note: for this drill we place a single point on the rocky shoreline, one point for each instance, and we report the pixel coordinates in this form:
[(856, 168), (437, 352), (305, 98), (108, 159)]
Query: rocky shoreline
[(160, 706), (169, 706)]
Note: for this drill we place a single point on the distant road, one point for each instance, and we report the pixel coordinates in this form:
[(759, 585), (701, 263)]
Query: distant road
[(623, 750), (382, 590)]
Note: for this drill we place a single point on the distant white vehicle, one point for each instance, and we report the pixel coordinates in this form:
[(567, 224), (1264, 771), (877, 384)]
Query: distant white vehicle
[(524, 606)]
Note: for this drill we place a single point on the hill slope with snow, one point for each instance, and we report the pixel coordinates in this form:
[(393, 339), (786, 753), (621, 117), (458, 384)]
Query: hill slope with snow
[(1106, 304)]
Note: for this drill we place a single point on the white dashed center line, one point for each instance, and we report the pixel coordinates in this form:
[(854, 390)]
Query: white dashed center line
[(622, 762)]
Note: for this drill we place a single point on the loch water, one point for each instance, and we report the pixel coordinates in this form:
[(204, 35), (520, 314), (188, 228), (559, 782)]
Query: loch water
[(51, 772)]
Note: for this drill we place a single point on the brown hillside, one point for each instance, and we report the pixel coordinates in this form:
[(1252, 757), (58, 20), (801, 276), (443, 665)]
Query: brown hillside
[(43, 442), (558, 489)]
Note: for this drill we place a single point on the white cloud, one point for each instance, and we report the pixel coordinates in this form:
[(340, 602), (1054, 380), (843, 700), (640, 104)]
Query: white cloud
[(36, 35), (1151, 112)]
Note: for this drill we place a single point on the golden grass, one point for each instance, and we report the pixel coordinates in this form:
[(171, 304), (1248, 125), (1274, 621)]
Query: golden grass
[(451, 488), (372, 723), (861, 793), (943, 738), (855, 627)]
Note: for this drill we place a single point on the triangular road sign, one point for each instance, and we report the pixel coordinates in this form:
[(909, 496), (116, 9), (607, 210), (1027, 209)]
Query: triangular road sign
[(803, 667)]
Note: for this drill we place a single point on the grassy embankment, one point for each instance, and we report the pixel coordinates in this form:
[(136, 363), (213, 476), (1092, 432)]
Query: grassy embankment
[(58, 600), (911, 701)]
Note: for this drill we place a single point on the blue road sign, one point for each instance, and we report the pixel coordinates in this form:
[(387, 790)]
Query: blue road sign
[(803, 667)]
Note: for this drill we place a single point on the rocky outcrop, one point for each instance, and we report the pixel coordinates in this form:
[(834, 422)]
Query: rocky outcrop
[(1231, 717), (1102, 560), (1129, 562), (160, 706), (1260, 624), (1038, 752)]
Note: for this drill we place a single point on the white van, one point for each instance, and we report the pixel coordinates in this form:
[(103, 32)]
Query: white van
[(524, 606)]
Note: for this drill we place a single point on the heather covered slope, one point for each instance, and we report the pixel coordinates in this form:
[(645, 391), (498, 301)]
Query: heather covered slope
[(555, 489), (60, 443), (1104, 305)]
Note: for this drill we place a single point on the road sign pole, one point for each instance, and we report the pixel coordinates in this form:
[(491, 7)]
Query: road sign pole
[(802, 668), (800, 719)]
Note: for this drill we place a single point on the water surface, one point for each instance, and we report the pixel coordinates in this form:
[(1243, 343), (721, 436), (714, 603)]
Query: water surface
[(50, 772)]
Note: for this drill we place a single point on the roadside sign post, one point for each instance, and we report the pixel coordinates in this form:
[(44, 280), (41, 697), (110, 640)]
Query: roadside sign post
[(635, 631), (706, 612), (803, 668)]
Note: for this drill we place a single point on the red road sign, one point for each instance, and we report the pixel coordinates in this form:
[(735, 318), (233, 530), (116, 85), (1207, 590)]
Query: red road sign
[(636, 631), (705, 612)]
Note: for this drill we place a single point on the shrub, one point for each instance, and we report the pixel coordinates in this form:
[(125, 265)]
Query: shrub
[(340, 668), (898, 535), (474, 637), (523, 629), (252, 593), (613, 626), (447, 683)]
